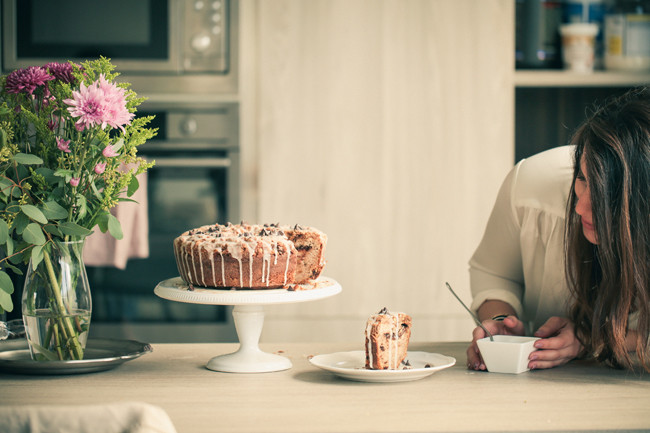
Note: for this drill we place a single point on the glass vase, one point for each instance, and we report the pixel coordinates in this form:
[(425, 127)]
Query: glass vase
[(56, 303)]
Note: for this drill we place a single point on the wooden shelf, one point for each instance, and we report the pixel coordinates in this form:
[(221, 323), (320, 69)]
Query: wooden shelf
[(560, 78)]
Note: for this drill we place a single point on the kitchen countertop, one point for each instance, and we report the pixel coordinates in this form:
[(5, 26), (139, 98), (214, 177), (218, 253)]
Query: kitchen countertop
[(580, 396)]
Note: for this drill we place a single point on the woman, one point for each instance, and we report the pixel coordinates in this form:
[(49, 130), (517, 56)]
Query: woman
[(567, 248)]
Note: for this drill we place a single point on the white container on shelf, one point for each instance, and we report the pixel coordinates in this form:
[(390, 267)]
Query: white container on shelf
[(578, 42), (627, 42)]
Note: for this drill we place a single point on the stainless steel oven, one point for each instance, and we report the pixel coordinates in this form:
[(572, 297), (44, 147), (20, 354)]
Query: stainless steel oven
[(195, 182)]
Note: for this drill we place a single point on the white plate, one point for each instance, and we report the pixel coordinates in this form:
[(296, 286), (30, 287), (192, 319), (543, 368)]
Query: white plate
[(351, 365)]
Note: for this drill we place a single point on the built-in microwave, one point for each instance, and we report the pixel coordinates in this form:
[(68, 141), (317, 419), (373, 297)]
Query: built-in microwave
[(162, 44)]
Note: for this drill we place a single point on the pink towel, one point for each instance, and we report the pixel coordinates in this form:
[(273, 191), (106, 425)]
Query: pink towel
[(102, 249)]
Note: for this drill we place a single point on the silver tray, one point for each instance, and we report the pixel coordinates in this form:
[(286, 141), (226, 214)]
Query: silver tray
[(100, 355)]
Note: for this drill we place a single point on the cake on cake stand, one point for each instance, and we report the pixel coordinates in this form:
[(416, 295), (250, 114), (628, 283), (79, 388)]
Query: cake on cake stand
[(248, 315)]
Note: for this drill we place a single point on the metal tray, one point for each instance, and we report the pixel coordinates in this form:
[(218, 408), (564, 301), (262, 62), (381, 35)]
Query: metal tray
[(100, 355)]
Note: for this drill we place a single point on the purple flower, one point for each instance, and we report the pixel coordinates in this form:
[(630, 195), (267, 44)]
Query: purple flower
[(74, 181), (62, 145), (27, 80), (61, 71), (108, 151), (100, 167), (101, 103)]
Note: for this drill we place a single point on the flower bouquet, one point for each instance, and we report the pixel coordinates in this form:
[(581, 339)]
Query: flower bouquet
[(68, 137)]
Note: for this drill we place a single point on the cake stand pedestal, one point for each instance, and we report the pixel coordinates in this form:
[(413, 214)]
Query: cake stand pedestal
[(248, 315)]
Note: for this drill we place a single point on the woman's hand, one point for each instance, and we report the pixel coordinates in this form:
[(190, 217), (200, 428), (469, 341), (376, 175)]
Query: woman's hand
[(558, 344), (508, 326)]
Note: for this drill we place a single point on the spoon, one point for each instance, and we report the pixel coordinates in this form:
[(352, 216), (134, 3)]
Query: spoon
[(478, 322)]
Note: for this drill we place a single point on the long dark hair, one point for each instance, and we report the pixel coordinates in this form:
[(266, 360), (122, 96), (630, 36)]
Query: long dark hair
[(611, 280)]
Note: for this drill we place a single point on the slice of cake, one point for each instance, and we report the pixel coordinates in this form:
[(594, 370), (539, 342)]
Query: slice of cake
[(387, 340), (310, 250)]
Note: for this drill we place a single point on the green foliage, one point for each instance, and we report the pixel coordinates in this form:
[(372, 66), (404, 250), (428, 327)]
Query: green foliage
[(48, 192)]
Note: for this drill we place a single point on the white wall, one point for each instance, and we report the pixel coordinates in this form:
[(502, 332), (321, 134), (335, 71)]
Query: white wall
[(389, 125)]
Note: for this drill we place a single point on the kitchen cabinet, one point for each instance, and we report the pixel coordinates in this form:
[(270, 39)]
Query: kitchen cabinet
[(389, 125)]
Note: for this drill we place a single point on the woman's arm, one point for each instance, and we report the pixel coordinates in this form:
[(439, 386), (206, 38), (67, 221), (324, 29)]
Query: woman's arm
[(493, 307)]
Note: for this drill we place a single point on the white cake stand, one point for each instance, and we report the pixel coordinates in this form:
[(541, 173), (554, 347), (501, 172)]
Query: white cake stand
[(248, 315)]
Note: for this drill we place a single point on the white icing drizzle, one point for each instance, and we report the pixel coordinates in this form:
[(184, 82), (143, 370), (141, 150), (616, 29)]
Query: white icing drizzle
[(286, 268), (202, 273), (393, 355), (223, 269), (214, 276), (186, 256), (250, 265), (196, 275)]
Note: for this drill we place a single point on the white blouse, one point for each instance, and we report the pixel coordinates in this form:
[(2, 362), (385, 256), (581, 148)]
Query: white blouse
[(520, 259)]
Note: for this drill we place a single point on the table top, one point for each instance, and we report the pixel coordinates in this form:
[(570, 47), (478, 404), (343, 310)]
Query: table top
[(580, 396)]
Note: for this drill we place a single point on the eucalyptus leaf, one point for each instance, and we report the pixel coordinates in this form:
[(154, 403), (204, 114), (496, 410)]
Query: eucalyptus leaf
[(6, 285), (16, 191), (14, 269), (4, 232), (102, 221), (72, 229), (133, 186), (53, 230), (27, 159), (5, 185), (34, 213), (47, 173), (114, 227), (37, 256), (6, 304), (54, 211), (34, 234), (20, 222), (10, 246)]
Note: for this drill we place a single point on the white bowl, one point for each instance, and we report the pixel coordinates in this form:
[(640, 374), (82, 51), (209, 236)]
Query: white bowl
[(507, 353)]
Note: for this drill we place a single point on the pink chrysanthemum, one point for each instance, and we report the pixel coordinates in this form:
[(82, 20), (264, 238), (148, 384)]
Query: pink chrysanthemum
[(27, 80), (108, 151), (100, 167), (61, 71), (63, 145), (75, 181), (102, 103)]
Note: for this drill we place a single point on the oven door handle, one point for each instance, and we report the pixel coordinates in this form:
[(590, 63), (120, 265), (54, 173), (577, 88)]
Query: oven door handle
[(200, 162)]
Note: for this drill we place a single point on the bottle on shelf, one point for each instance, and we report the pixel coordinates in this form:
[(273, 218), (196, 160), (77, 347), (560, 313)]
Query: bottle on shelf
[(592, 12), (627, 36), (537, 38)]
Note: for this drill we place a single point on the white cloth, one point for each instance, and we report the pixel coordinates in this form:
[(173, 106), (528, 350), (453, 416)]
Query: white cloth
[(520, 259), (128, 417), (102, 249)]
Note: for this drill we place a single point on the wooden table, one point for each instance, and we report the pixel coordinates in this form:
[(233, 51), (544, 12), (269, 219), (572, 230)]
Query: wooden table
[(577, 397)]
